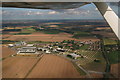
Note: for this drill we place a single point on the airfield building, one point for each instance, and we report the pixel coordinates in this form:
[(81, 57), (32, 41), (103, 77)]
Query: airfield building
[(27, 50)]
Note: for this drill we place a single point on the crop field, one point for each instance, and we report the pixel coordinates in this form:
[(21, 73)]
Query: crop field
[(113, 57), (94, 75), (88, 61), (7, 52), (25, 31), (17, 67), (49, 66), (38, 36), (79, 34), (52, 66), (115, 71), (109, 42), (105, 34)]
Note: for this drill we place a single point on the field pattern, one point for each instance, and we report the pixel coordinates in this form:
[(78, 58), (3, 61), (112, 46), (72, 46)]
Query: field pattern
[(47, 37), (88, 62), (17, 67), (51, 66), (7, 52)]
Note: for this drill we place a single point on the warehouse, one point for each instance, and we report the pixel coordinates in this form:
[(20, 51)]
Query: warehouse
[(27, 50)]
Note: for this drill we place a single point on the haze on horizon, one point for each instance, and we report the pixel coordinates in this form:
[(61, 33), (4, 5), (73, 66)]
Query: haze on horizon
[(88, 11)]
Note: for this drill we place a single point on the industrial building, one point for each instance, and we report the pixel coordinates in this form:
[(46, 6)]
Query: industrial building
[(27, 50)]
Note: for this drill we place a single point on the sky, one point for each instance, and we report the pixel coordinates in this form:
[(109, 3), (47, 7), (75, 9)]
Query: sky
[(88, 11)]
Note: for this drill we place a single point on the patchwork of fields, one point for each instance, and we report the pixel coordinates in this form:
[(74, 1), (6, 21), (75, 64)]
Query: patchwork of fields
[(49, 66), (47, 37)]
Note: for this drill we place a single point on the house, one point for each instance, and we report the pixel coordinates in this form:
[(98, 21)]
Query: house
[(18, 44), (73, 55), (60, 50), (42, 49), (30, 45), (23, 43), (10, 45), (47, 51)]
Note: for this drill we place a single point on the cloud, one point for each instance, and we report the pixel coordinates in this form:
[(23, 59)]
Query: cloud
[(53, 12), (38, 13)]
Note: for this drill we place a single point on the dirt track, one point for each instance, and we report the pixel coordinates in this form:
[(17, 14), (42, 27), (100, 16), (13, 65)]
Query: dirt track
[(51, 66)]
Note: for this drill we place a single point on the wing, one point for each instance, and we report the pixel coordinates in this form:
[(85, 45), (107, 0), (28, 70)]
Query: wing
[(110, 16), (44, 5)]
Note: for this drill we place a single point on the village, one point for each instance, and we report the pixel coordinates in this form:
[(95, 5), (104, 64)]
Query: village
[(70, 48)]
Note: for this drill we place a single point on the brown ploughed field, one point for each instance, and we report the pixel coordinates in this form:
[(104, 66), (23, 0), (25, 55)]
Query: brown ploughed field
[(115, 71), (17, 67), (94, 75), (7, 52), (49, 66), (52, 66)]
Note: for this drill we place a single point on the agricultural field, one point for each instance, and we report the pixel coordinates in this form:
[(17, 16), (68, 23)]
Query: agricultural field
[(17, 67), (38, 36), (88, 61), (25, 31), (51, 31), (115, 71), (6, 52), (105, 34), (94, 75), (113, 57), (52, 66), (79, 34), (109, 42), (49, 66)]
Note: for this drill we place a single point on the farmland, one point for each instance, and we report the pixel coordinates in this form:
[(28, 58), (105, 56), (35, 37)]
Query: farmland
[(38, 36), (51, 66), (113, 57), (115, 71), (13, 67), (88, 62), (7, 52), (109, 42)]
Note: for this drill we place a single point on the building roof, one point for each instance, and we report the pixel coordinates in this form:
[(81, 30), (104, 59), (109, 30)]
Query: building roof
[(74, 55)]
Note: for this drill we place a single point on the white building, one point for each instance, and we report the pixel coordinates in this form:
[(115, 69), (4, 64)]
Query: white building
[(10, 45), (30, 45), (73, 55), (27, 50)]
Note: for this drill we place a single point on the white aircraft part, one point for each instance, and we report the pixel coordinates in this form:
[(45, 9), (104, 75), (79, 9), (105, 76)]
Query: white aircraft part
[(109, 16)]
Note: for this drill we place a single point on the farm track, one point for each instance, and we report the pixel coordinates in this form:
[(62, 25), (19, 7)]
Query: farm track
[(33, 66), (52, 66)]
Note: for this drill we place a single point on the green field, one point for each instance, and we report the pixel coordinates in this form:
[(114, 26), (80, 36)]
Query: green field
[(88, 61), (78, 34), (26, 31), (109, 41), (51, 31), (84, 47), (113, 57)]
